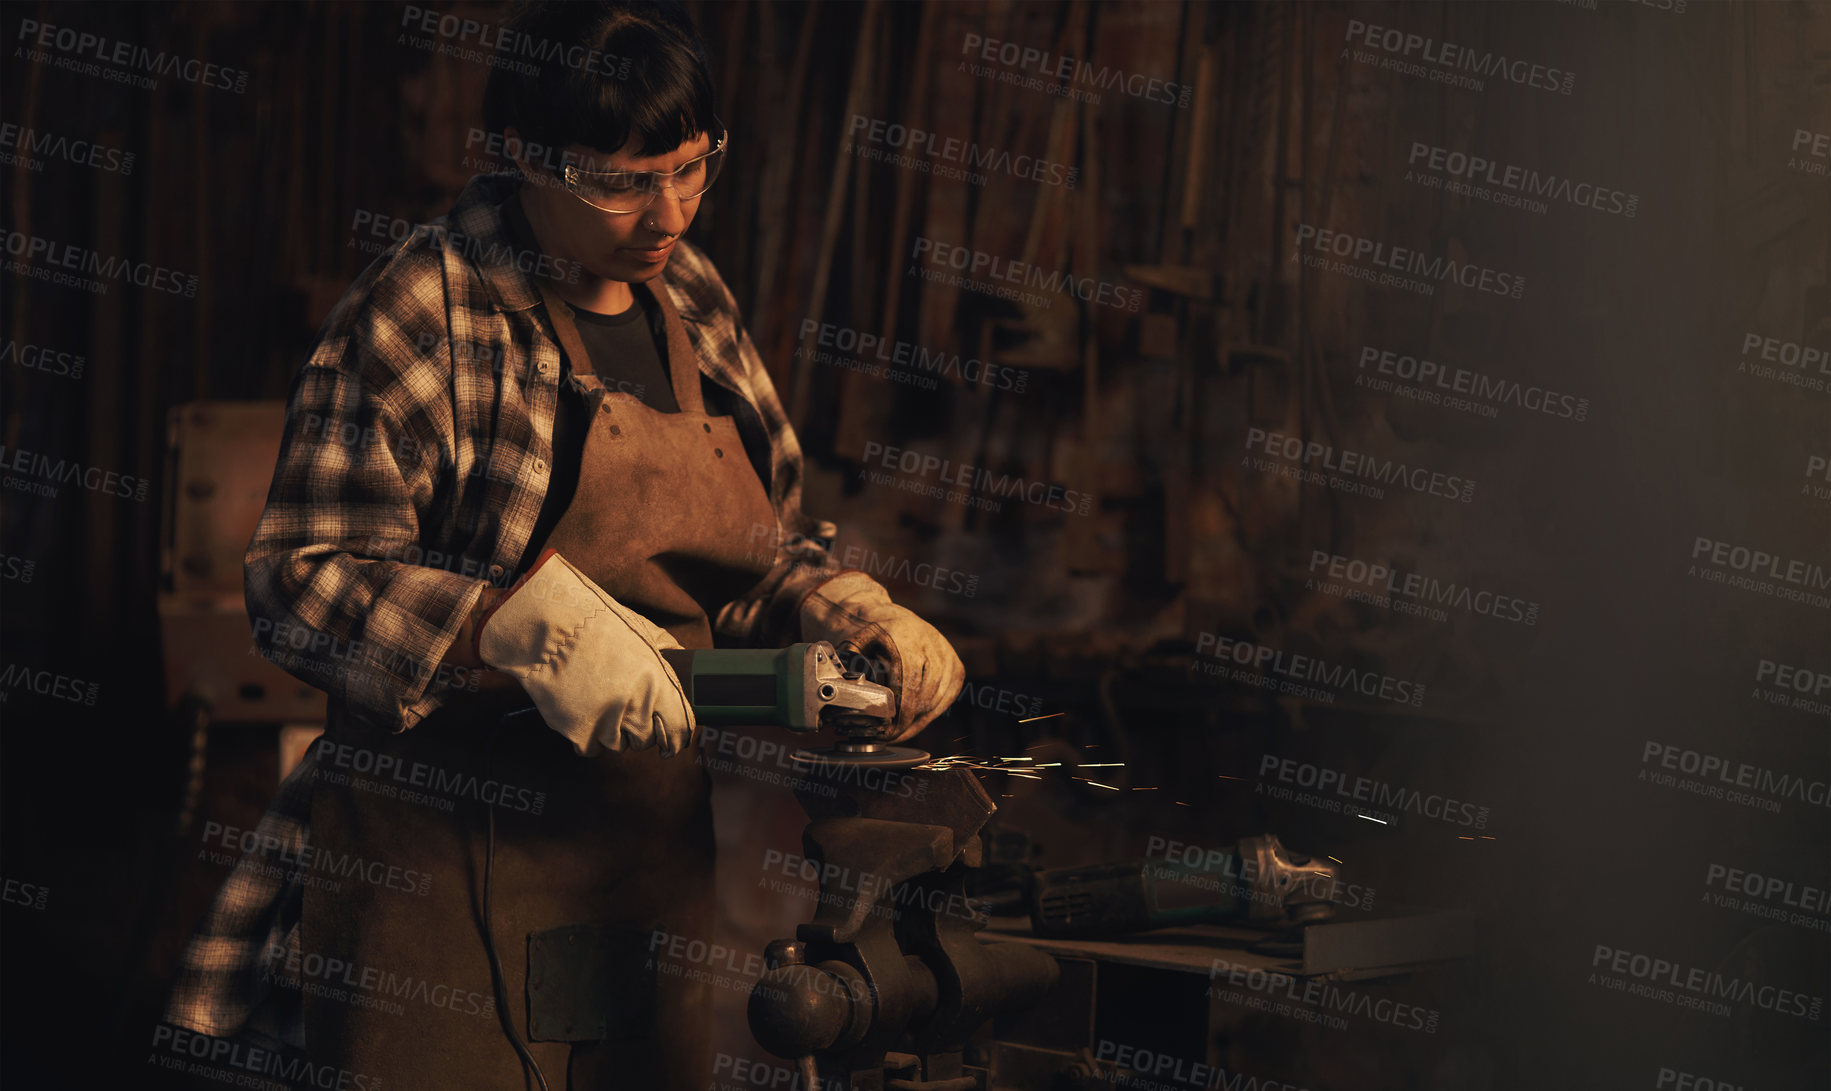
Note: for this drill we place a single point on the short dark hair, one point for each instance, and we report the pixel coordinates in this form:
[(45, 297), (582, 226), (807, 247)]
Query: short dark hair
[(640, 68)]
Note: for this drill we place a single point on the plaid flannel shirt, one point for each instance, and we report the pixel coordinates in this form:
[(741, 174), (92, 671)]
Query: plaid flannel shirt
[(416, 455)]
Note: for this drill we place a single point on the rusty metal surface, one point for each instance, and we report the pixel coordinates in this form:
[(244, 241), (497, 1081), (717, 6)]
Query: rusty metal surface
[(871, 856), (947, 797)]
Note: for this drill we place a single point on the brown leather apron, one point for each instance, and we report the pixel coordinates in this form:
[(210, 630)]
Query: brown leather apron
[(620, 845)]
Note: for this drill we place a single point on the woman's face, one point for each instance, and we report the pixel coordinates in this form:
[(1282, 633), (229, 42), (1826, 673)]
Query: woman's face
[(626, 246)]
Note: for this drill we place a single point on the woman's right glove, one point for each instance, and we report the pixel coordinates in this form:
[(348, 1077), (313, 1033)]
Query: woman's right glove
[(854, 613), (592, 665)]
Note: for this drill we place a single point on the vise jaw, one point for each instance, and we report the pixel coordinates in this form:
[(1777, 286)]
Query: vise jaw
[(890, 961)]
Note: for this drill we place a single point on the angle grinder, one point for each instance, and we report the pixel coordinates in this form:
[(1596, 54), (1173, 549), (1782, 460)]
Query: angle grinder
[(803, 687)]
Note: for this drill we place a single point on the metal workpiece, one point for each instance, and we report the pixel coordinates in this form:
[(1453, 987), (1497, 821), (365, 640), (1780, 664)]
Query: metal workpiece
[(952, 798), (890, 974)]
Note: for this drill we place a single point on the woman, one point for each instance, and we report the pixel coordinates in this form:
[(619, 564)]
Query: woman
[(549, 392)]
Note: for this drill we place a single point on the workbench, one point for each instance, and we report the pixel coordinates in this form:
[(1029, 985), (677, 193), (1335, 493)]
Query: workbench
[(1211, 1006)]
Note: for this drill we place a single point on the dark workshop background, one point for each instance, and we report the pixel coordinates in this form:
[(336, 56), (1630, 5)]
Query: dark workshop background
[(1640, 637)]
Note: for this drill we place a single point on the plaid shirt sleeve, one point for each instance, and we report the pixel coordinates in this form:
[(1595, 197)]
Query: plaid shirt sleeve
[(251, 935), (368, 429)]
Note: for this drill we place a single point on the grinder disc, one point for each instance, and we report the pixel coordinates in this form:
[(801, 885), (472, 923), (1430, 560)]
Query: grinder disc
[(875, 755)]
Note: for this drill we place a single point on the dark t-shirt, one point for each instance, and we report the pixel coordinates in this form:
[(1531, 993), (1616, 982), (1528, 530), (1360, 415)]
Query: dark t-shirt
[(625, 352), (626, 355)]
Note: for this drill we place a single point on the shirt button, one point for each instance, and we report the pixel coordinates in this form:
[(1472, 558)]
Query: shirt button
[(718, 451), (541, 367), (539, 466), (495, 571), (707, 427)]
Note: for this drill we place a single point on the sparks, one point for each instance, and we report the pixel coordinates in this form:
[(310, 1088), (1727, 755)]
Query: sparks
[(1050, 716), (989, 765), (1370, 818), (1018, 765)]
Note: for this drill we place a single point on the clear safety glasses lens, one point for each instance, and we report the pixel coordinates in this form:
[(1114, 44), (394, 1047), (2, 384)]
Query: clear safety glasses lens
[(633, 191)]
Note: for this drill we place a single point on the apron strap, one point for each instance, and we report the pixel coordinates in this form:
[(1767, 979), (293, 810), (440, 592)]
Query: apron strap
[(559, 313), (682, 363)]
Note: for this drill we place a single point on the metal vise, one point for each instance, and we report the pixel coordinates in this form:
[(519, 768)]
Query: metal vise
[(889, 974)]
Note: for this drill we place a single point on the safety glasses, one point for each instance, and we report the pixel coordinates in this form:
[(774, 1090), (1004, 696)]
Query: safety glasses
[(634, 190)]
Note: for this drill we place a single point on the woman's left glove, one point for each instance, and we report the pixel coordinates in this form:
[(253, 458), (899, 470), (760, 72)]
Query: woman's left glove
[(854, 613), (592, 665)]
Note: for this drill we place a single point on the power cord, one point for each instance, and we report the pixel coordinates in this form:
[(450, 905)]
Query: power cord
[(503, 1012)]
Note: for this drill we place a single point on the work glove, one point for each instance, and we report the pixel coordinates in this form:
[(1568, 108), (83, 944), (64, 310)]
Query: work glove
[(592, 665), (855, 614)]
